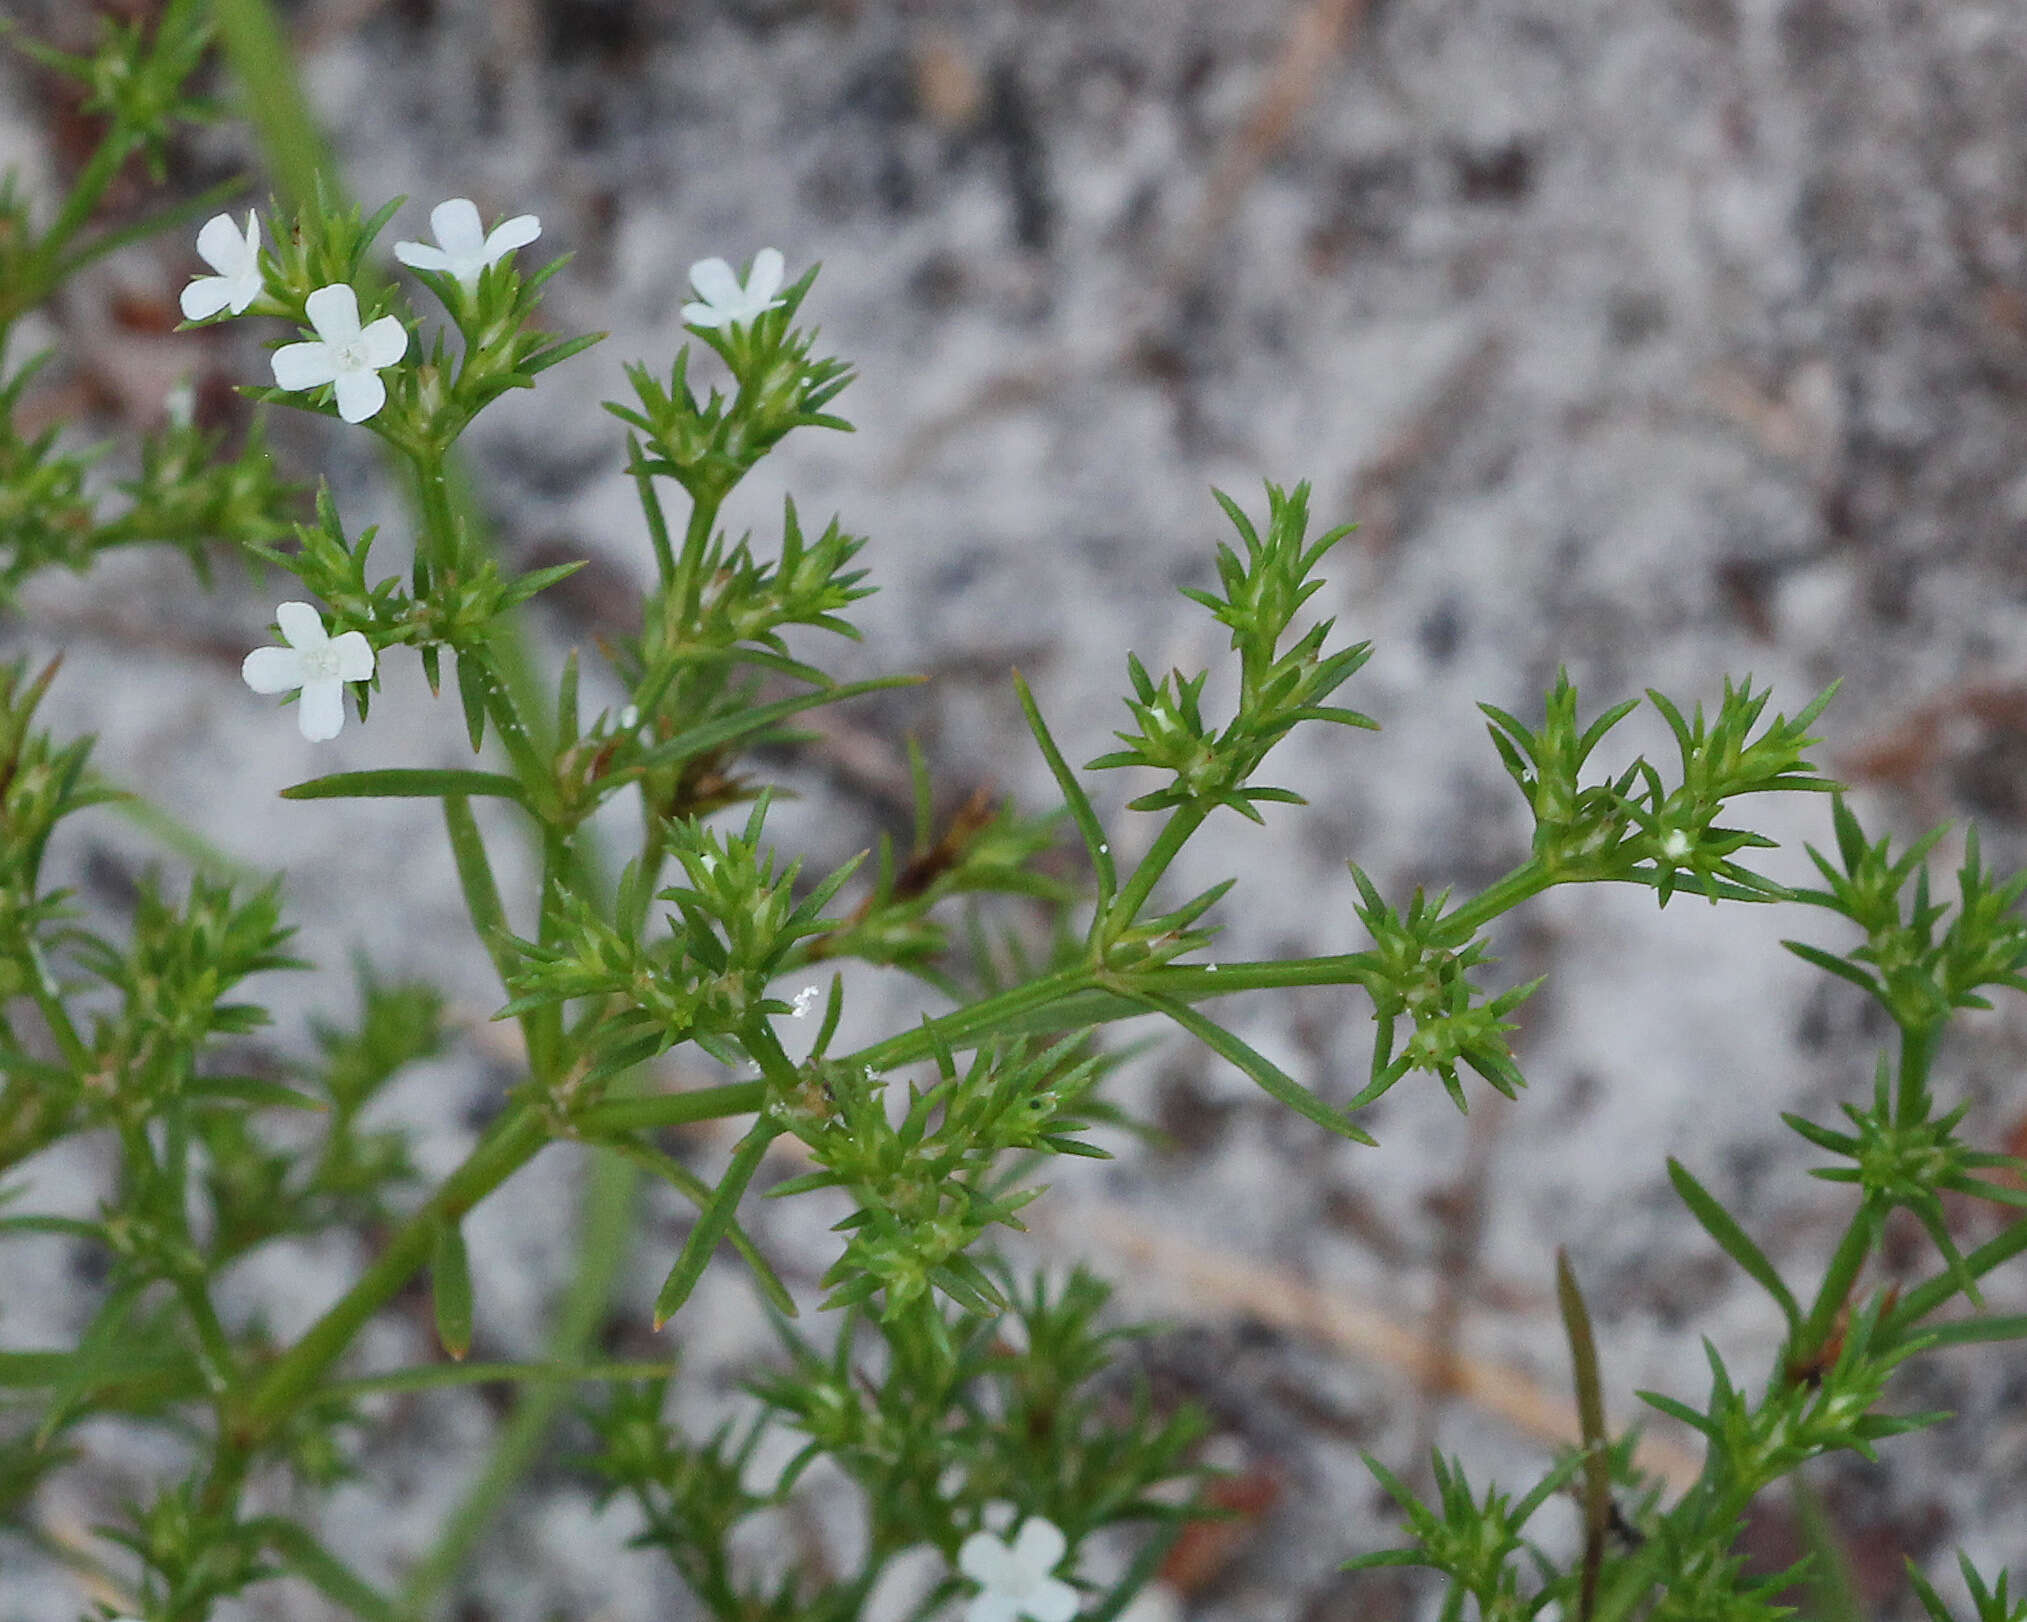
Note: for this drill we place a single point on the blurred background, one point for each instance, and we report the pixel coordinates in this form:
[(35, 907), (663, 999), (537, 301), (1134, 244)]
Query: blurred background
[(1657, 339)]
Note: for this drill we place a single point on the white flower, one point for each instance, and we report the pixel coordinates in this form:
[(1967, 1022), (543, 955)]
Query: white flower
[(726, 303), (1675, 844), (1014, 1580), (805, 1000), (342, 353), (318, 663), (237, 261), (464, 247)]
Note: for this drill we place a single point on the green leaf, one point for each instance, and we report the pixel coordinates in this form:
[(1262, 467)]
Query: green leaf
[(1968, 1331), (1269, 1077), (471, 692), (1733, 1240), (25, 1370), (556, 353), (698, 1192), (450, 1273), (322, 1570), (1095, 843), (1682, 1411), (433, 1376), (475, 876), (713, 734), (1830, 963), (408, 783), (251, 1090), (714, 1220)]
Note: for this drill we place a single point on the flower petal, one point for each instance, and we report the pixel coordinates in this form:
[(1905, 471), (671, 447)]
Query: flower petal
[(508, 235), (302, 627), (205, 297), (303, 366), (456, 224), (360, 394), (992, 1606), (714, 281), (983, 1558), (272, 670), (385, 342), (764, 279), (1040, 1545), (221, 246), (321, 711), (1051, 1600), (703, 315), (421, 256), (355, 656), (334, 312)]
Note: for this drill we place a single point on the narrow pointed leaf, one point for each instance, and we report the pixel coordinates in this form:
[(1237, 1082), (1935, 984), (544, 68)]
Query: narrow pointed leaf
[(1095, 843), (450, 1275), (725, 729), (713, 1221), (1268, 1076), (1733, 1240), (407, 783)]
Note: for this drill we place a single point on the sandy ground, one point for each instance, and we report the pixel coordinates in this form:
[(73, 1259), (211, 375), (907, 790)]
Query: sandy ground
[(1660, 340)]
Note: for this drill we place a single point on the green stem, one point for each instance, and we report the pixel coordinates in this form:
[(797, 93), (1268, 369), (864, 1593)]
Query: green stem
[(303, 168), (1183, 822), (274, 103), (1917, 1049), (513, 1141), (642, 1114), (605, 1229), (545, 1024), (48, 999), (1502, 895), (98, 174), (214, 1357), (1845, 1264), (442, 534), (1088, 997)]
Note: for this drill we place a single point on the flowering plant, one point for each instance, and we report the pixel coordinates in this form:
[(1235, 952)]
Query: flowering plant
[(967, 1408)]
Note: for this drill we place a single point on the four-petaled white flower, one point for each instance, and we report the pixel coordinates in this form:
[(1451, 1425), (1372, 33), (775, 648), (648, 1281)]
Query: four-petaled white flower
[(237, 261), (805, 1000), (1014, 1580), (726, 303), (317, 662), (343, 353), (464, 248)]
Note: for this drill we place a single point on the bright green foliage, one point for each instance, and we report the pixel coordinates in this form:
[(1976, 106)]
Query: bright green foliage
[(186, 494), (707, 446), (1916, 974), (1421, 974), (929, 1429), (1278, 687), (134, 75), (1987, 1604), (944, 1386), (1828, 1391), (1635, 828), (1471, 1539), (926, 1188)]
